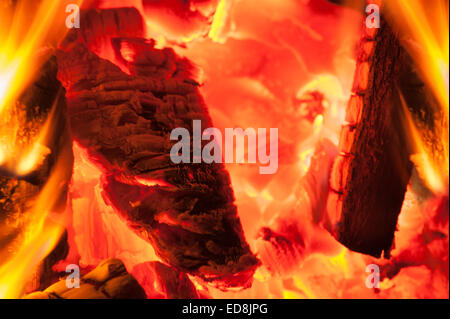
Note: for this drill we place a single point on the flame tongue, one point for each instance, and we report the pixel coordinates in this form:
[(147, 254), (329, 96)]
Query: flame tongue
[(42, 184), (35, 162), (426, 37), (254, 55)]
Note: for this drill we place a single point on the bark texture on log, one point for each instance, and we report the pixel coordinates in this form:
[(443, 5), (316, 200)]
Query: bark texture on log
[(369, 177), (109, 280), (185, 211)]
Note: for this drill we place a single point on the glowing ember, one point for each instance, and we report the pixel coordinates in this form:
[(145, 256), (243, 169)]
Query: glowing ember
[(94, 221), (259, 63)]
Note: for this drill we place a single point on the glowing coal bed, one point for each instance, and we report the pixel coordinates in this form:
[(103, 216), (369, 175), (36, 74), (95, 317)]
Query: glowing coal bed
[(357, 206)]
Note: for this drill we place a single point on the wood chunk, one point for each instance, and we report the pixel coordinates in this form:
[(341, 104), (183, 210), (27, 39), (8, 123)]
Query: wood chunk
[(354, 110), (361, 80), (123, 287), (334, 207), (109, 280), (365, 50), (43, 100), (339, 174), (370, 175), (100, 26), (347, 138), (125, 121)]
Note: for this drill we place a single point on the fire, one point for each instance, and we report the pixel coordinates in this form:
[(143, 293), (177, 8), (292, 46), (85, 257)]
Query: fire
[(41, 234), (261, 64), (20, 39), (219, 21), (94, 220), (426, 28), (327, 270), (26, 28)]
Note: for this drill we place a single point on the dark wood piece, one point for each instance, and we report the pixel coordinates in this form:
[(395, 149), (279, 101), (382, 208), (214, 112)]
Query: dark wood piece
[(124, 121), (110, 280), (42, 99), (370, 175)]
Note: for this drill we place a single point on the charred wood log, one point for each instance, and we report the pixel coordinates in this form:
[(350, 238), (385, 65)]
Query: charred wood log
[(42, 103), (185, 211), (110, 280), (370, 175)]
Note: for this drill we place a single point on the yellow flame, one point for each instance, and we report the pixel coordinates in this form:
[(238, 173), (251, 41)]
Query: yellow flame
[(36, 153), (305, 159), (18, 46), (27, 27), (432, 169), (340, 261), (318, 123), (425, 26), (303, 290), (427, 23), (219, 20), (40, 237)]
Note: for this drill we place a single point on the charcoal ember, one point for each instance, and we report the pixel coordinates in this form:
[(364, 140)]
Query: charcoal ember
[(124, 121), (429, 247), (41, 104), (284, 243), (164, 282), (109, 280)]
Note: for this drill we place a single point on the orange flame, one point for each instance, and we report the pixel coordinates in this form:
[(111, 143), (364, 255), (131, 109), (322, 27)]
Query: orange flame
[(41, 234), (425, 28), (26, 28), (254, 59)]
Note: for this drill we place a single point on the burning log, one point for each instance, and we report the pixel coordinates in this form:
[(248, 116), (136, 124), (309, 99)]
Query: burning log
[(39, 121), (110, 280), (369, 177), (124, 121), (41, 104)]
